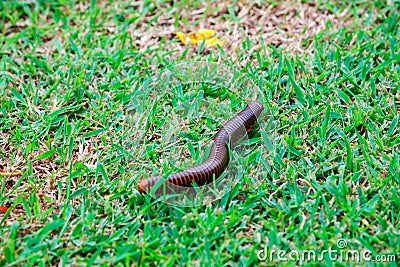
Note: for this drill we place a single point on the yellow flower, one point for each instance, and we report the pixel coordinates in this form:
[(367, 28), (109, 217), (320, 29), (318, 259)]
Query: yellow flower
[(195, 37), (213, 42), (199, 36), (207, 33), (182, 37)]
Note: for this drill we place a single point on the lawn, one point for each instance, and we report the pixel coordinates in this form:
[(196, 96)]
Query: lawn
[(96, 95)]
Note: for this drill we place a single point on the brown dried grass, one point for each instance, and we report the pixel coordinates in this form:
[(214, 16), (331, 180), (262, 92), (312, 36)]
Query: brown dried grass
[(287, 25)]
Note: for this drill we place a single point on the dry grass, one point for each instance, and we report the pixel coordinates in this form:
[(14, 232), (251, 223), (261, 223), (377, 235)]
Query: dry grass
[(287, 25)]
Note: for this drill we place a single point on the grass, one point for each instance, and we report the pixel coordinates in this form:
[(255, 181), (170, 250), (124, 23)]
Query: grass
[(79, 117)]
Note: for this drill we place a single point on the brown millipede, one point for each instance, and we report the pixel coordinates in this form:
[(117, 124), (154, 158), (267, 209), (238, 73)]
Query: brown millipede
[(218, 158)]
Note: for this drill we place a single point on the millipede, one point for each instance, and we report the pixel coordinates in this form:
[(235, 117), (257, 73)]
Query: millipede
[(218, 158)]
